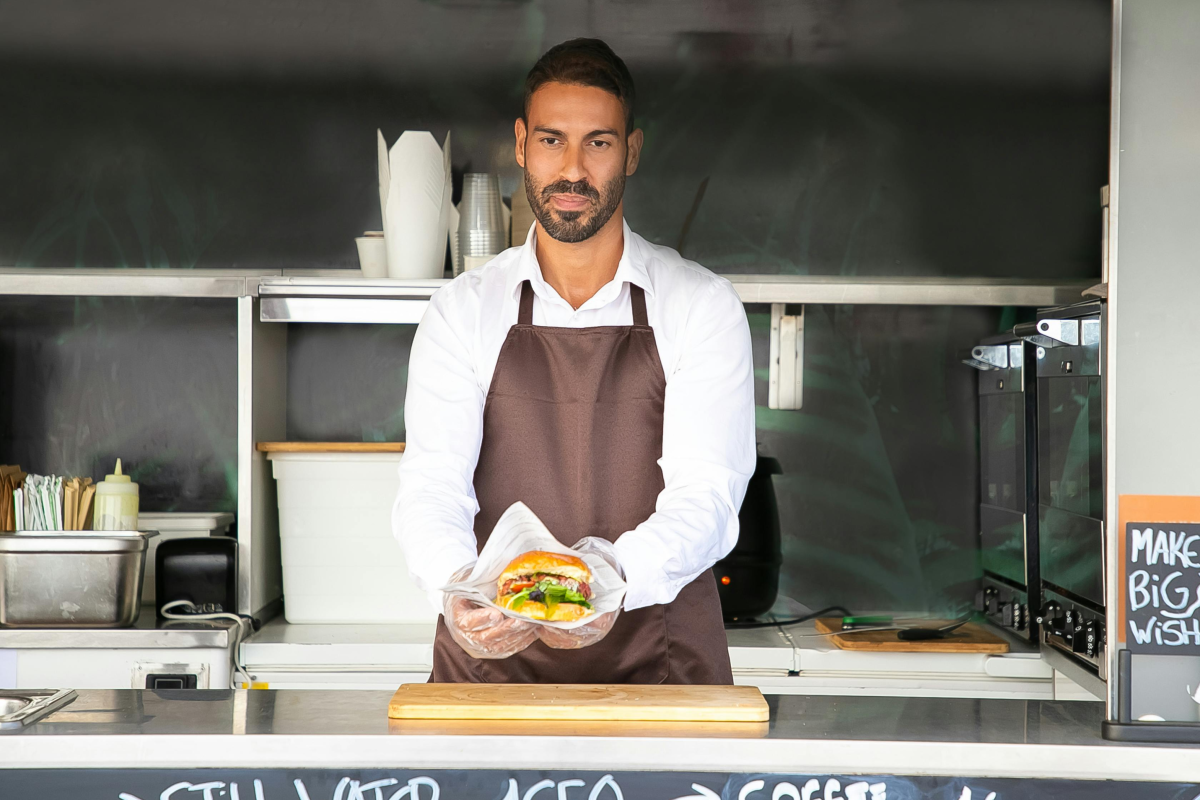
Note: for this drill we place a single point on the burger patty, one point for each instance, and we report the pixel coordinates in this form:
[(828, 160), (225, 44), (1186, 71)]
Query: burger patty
[(570, 583)]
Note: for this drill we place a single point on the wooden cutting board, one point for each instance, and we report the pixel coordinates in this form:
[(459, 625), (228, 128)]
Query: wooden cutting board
[(330, 447), (970, 638), (562, 727), (578, 702)]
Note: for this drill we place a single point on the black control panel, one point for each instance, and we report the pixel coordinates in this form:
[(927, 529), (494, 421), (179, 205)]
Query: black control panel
[(1008, 608), (1073, 628)]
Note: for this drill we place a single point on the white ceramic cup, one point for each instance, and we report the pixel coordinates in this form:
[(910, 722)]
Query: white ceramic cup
[(372, 255)]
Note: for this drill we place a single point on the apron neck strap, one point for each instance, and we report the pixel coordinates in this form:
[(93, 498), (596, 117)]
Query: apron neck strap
[(525, 315), (637, 298)]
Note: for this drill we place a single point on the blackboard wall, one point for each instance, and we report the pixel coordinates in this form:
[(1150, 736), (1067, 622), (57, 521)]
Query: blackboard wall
[(85, 381), (927, 137)]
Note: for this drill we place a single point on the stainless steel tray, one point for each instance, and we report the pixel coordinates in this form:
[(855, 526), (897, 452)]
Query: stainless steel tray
[(71, 579), (21, 707)]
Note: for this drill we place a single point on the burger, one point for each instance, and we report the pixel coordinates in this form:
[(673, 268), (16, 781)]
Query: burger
[(547, 586)]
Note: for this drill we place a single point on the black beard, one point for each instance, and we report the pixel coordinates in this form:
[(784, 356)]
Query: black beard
[(574, 226)]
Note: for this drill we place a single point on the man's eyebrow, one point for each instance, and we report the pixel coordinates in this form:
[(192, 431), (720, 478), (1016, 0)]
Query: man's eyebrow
[(591, 134)]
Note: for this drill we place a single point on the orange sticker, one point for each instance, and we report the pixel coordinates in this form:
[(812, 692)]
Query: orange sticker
[(1155, 508)]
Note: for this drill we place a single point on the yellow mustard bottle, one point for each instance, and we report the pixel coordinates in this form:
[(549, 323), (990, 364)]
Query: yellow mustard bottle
[(116, 503)]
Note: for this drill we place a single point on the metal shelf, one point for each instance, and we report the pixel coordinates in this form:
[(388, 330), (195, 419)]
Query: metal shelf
[(345, 299), (835, 289), (114, 282), (343, 296), (348, 286), (229, 283), (403, 302)]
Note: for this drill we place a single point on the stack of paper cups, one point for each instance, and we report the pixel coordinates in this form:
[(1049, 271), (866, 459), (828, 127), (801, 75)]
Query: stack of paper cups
[(481, 229)]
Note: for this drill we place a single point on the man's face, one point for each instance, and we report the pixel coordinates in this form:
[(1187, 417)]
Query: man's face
[(576, 156)]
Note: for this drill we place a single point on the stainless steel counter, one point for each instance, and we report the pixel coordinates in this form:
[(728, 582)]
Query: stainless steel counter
[(148, 632), (818, 734)]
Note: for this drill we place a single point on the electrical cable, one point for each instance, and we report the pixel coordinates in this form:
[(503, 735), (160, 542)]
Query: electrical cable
[(244, 626), (794, 621), (847, 633)]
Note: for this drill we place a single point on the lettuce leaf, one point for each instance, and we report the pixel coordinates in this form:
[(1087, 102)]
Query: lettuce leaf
[(519, 599)]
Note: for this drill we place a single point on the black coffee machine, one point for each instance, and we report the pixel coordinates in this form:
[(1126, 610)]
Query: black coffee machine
[(1008, 503), (1070, 353), (748, 578)]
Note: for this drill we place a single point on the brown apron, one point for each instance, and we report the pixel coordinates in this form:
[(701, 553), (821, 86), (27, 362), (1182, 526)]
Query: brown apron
[(573, 427)]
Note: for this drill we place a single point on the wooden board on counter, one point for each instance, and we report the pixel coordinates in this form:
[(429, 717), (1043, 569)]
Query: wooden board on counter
[(562, 727), (970, 638), (656, 703), (330, 447)]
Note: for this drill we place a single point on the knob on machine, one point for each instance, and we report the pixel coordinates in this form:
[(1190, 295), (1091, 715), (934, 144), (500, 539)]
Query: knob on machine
[(987, 600), (1088, 639), (1053, 619), (1020, 616)]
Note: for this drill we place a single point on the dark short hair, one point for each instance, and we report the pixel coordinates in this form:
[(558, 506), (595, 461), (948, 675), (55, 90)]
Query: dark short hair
[(583, 62)]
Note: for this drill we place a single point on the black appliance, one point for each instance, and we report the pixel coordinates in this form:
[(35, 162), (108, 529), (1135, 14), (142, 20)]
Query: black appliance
[(748, 578), (1008, 502), (1070, 353), (201, 569)]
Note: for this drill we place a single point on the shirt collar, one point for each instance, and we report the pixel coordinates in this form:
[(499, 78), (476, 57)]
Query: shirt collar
[(630, 269)]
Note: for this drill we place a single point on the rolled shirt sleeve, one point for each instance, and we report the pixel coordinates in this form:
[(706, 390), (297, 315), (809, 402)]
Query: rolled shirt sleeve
[(708, 453), (434, 511)]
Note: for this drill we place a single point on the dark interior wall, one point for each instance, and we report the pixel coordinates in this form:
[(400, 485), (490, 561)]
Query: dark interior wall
[(805, 172), (346, 383), (152, 381), (928, 137), (878, 496)]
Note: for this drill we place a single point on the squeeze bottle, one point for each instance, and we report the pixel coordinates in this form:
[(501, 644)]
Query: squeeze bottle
[(116, 503)]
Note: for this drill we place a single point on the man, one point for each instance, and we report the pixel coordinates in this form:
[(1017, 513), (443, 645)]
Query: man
[(602, 380)]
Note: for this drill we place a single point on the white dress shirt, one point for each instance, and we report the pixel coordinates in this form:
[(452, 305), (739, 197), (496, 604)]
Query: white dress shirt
[(708, 419)]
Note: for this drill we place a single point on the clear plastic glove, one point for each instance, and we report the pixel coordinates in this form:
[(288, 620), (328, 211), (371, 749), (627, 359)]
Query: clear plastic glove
[(482, 631), (596, 628)]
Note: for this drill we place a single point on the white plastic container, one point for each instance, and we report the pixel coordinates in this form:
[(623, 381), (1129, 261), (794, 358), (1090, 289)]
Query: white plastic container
[(177, 525), (341, 563)]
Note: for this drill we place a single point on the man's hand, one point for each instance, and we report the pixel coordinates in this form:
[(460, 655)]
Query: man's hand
[(575, 638), (484, 632), (596, 628)]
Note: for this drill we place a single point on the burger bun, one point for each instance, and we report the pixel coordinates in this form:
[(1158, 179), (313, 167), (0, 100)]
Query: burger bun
[(563, 612), (544, 561)]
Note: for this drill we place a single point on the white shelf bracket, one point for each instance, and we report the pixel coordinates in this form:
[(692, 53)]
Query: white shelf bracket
[(786, 373)]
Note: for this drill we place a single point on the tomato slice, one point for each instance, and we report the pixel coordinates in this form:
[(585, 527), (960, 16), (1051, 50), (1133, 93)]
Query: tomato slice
[(520, 587)]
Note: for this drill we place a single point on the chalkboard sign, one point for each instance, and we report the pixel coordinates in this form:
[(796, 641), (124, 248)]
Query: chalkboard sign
[(316, 784), (1162, 588)]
